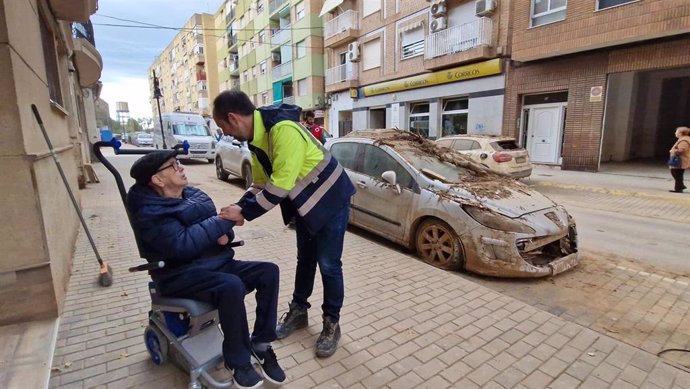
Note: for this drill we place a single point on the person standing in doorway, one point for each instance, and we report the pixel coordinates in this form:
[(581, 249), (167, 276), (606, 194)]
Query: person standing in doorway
[(291, 168), (681, 149)]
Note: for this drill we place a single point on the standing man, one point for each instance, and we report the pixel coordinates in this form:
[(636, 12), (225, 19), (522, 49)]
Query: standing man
[(292, 169), (316, 130)]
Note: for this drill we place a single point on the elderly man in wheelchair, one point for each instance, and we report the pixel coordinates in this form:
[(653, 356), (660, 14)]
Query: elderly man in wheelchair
[(178, 224)]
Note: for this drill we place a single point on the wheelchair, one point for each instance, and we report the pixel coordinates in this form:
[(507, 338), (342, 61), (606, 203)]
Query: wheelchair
[(181, 331)]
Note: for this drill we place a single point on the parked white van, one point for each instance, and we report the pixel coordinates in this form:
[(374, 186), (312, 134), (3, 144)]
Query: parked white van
[(181, 126)]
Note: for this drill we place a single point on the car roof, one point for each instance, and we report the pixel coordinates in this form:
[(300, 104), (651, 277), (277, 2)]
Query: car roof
[(479, 137)]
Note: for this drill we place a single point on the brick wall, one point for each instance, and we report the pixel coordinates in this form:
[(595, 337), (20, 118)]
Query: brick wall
[(577, 74), (586, 28)]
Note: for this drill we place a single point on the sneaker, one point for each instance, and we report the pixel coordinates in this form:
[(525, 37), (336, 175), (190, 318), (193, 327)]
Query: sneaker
[(268, 362), (328, 340), (292, 320), (246, 377)]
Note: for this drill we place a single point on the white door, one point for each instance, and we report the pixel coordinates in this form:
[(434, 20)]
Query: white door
[(544, 129)]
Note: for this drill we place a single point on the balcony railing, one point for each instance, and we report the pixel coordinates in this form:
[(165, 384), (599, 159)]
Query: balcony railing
[(289, 99), (275, 5), (458, 38), (230, 16), (349, 20), (280, 36), (83, 30), (341, 73), (232, 39), (282, 70)]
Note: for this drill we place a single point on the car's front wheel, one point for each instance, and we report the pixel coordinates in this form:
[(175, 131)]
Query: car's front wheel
[(220, 172), (247, 175), (438, 245)]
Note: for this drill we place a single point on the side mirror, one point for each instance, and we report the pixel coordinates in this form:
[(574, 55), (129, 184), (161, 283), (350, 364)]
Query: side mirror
[(483, 156), (389, 176)]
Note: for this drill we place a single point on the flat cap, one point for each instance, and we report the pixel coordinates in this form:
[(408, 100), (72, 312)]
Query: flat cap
[(145, 167)]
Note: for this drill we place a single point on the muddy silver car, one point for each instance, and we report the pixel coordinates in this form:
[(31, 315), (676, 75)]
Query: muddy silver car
[(456, 213)]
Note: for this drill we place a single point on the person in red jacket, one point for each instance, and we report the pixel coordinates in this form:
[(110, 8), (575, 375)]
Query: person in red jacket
[(315, 129)]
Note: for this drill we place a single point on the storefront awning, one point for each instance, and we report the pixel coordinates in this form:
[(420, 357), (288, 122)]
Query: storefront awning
[(412, 26), (329, 6)]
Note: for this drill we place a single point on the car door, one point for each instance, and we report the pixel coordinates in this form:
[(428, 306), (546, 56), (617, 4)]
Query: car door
[(383, 208), (234, 156), (349, 155)]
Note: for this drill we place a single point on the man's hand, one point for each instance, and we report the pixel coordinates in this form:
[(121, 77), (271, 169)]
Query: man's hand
[(223, 240), (233, 213)]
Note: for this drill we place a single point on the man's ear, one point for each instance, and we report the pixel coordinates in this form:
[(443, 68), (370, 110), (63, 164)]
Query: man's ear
[(156, 182)]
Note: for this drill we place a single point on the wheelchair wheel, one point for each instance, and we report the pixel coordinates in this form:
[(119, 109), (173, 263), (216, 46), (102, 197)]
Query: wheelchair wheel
[(156, 344)]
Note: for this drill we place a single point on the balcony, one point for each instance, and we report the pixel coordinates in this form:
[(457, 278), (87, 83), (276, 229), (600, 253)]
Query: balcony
[(341, 29), (464, 43), (288, 99), (230, 16), (86, 58), (74, 10), (234, 83), (280, 36), (281, 71), (201, 76), (275, 5), (342, 77), (199, 58)]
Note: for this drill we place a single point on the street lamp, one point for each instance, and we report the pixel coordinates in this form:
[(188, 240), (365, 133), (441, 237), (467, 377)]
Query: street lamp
[(157, 95)]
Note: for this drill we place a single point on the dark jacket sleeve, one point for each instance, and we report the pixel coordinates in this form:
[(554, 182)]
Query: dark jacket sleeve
[(182, 243)]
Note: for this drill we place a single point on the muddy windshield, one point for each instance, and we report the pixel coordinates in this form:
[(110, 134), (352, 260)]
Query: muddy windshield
[(434, 168), (190, 129)]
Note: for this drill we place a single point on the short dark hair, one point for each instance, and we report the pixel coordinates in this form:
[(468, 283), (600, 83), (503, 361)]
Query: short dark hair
[(309, 114), (232, 101)]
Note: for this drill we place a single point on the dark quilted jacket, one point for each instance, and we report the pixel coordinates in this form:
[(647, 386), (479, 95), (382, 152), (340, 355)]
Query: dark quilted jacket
[(177, 231)]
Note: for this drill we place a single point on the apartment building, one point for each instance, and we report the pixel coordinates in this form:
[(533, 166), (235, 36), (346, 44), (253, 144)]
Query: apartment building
[(187, 68), (48, 58), (435, 68), (593, 81), (273, 51)]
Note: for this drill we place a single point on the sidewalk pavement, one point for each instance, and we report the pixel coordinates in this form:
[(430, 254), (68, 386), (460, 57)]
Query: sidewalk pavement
[(405, 324), (640, 191)]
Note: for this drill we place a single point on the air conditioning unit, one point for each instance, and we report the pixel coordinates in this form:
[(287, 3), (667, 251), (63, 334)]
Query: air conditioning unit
[(484, 7), (353, 52), (438, 24), (438, 8), (275, 56)]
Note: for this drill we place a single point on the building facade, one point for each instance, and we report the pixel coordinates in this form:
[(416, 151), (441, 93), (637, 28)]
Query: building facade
[(592, 81), (273, 51), (48, 58), (435, 68), (186, 69)]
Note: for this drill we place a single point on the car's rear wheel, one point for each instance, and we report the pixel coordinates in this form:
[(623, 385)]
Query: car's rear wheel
[(220, 172), (438, 245), (247, 175)]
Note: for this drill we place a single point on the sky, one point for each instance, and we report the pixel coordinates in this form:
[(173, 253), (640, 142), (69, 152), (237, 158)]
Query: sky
[(128, 52)]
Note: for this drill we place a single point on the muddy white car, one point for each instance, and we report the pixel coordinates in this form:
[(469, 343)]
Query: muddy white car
[(456, 213), (501, 154)]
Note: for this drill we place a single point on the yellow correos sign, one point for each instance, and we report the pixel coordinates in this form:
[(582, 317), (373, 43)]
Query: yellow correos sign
[(482, 69)]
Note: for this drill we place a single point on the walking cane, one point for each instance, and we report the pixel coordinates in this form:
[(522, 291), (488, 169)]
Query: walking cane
[(105, 277)]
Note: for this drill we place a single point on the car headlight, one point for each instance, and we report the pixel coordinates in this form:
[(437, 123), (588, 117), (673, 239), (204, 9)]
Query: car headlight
[(496, 221)]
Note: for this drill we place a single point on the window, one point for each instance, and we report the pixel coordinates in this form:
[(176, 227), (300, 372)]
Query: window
[(346, 154), (547, 11), (377, 161), (262, 36), (259, 6), (466, 144), (51, 64), (245, 76), (454, 117), (370, 6), (262, 67), (412, 43), (602, 4), (371, 54), (419, 119), (302, 87), (301, 49), (299, 11), (264, 98)]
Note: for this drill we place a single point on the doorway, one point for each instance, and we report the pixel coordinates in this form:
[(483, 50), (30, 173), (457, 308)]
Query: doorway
[(377, 118), (543, 131)]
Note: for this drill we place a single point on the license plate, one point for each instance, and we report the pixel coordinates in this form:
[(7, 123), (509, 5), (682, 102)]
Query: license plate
[(520, 159)]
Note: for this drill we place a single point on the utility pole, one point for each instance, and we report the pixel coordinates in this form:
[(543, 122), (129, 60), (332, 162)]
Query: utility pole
[(157, 95)]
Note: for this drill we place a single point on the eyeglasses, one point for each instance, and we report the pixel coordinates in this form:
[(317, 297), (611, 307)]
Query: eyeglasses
[(175, 165)]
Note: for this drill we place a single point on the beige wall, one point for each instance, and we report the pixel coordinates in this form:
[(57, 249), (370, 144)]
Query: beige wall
[(40, 225), (586, 28)]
